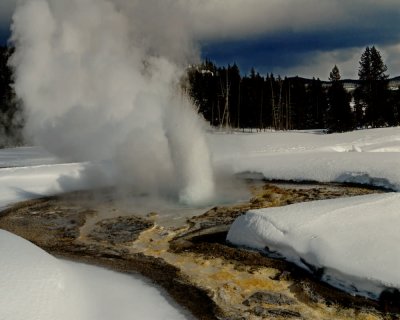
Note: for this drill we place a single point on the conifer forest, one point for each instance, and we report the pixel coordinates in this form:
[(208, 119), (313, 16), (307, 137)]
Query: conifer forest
[(254, 102)]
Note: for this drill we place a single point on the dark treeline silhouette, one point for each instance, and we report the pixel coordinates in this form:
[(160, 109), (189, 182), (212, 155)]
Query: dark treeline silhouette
[(11, 119), (254, 102), (227, 99)]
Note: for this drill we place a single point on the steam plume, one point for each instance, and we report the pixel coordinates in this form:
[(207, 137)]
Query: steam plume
[(99, 80)]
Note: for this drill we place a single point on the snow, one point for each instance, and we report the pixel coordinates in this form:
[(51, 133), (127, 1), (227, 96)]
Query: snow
[(364, 156), (25, 156), (34, 285), (352, 241), (29, 173), (23, 183)]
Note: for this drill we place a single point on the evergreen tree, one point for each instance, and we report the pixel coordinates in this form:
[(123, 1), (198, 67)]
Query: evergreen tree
[(233, 83), (298, 103), (253, 101), (316, 105), (339, 116), (378, 68), (394, 103), (203, 86), (334, 75), (364, 71), (11, 120), (372, 95)]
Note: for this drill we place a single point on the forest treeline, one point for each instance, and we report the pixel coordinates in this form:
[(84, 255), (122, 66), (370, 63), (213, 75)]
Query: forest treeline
[(227, 99), (11, 117)]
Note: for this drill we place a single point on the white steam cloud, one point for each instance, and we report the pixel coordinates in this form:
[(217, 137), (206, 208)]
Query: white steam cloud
[(100, 81)]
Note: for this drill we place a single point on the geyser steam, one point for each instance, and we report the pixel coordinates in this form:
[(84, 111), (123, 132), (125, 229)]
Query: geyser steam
[(100, 81)]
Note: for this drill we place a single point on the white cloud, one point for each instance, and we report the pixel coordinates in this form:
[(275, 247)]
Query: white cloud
[(231, 19), (326, 32), (319, 64), (216, 20), (391, 55)]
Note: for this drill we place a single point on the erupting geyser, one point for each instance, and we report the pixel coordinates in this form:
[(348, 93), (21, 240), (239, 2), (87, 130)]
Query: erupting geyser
[(100, 81)]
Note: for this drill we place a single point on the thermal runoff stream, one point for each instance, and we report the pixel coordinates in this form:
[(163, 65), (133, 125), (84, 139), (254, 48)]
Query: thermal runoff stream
[(101, 82)]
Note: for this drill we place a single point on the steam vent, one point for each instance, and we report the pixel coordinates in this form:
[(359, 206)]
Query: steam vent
[(190, 258)]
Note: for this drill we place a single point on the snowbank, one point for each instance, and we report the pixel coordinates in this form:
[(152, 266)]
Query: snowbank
[(352, 242), (367, 156), (36, 286), (28, 182)]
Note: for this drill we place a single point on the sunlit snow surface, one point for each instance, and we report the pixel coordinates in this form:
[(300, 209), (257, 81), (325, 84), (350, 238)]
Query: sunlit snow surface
[(366, 156), (36, 286), (352, 242)]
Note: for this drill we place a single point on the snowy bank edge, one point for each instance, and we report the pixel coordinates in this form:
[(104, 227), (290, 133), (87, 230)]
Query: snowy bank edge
[(255, 231)]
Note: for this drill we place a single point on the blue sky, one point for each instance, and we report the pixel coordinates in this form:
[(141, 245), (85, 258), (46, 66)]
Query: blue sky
[(286, 37)]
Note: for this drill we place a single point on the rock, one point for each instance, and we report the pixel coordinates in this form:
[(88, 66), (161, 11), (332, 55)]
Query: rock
[(269, 298), (390, 300), (120, 230), (281, 276), (152, 215), (275, 313)]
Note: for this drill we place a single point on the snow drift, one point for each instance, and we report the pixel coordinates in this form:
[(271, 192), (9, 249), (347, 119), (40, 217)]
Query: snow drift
[(34, 285), (351, 243)]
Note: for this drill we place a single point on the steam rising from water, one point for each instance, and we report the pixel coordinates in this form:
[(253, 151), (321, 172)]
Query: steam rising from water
[(100, 81)]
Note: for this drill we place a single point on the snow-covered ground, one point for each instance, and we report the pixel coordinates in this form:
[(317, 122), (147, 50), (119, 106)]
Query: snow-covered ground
[(34, 285), (365, 156), (352, 242), (25, 156), (31, 172)]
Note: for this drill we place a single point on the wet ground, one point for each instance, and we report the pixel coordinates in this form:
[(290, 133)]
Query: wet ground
[(188, 255)]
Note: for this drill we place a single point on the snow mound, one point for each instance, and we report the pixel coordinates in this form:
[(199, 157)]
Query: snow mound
[(352, 242), (32, 282), (36, 286)]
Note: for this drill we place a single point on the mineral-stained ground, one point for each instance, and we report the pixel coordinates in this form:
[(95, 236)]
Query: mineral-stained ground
[(191, 260)]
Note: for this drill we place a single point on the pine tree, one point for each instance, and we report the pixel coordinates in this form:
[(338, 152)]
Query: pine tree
[(316, 105), (395, 105), (299, 103), (11, 117), (203, 88), (234, 94), (339, 117), (378, 68), (372, 95), (334, 75), (364, 71)]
